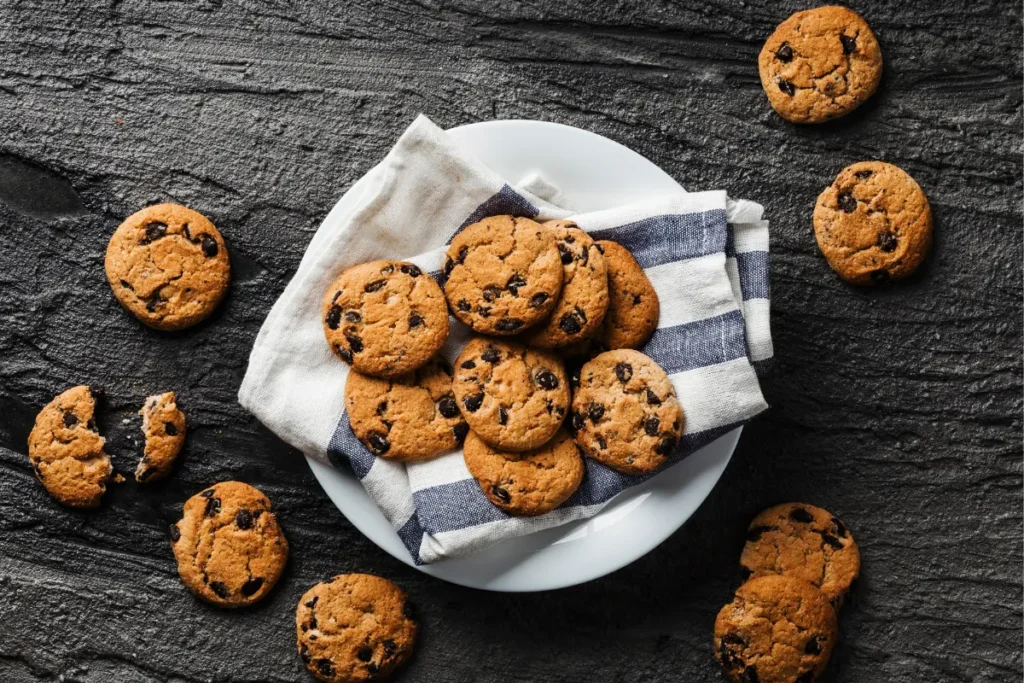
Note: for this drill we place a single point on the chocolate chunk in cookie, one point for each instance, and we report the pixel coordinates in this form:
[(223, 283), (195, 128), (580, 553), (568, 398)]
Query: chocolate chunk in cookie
[(163, 425), (385, 318), (168, 266), (503, 275), (633, 306)]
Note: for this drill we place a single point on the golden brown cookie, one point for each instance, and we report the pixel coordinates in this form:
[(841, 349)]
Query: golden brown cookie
[(355, 627), (408, 418), (512, 396), (806, 542), (385, 318), (503, 275), (777, 629), (633, 307), (168, 266), (820, 64), (625, 413), (163, 425), (529, 483), (228, 544), (582, 304), (873, 223), (67, 452)]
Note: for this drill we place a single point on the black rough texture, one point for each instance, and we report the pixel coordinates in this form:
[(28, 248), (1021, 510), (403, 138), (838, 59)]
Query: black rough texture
[(898, 409)]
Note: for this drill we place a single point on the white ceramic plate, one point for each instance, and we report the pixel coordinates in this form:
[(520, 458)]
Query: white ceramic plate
[(594, 173)]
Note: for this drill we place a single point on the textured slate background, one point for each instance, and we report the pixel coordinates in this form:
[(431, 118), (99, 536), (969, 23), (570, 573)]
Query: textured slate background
[(898, 409)]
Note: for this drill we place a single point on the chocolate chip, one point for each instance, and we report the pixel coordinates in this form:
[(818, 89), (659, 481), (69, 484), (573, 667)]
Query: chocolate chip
[(566, 254), (70, 419), (468, 365), (448, 407), (887, 241), (464, 306), (784, 53), (388, 269), (220, 589), (879, 276), (154, 231), (599, 247), (570, 324), (637, 299), (483, 311), (153, 302), (847, 203), (312, 603), (411, 270), (652, 398), (547, 379), (379, 443), (665, 446), (502, 416), (514, 283), (508, 325), (461, 258), (813, 647), (538, 299), (501, 494), (490, 355), (473, 403), (208, 493), (354, 342), (831, 540), (801, 515), (754, 533), (390, 647), (304, 653), (175, 533), (602, 444), (244, 519), (624, 371), (460, 430), (491, 292), (209, 245), (371, 667), (212, 506), (365, 654), (448, 266), (840, 527), (325, 668), (374, 286), (415, 320), (863, 174), (595, 411), (734, 639), (333, 318), (585, 256), (170, 429), (550, 406), (577, 422), (786, 87), (749, 675), (127, 285), (353, 317), (849, 44), (651, 426), (250, 587), (343, 353)]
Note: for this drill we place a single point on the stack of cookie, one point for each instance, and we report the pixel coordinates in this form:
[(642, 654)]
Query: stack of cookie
[(800, 562), (537, 296)]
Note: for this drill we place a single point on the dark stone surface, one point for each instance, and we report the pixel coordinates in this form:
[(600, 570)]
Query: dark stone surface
[(899, 409)]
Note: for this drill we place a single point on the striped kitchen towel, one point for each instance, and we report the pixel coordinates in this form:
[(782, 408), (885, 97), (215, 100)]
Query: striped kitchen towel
[(706, 255)]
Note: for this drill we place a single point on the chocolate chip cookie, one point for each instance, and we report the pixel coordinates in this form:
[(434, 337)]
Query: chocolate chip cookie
[(820, 64), (66, 451), (633, 306), (355, 627), (873, 223), (529, 483), (582, 304), (625, 413), (228, 544), (411, 417), (514, 397), (806, 542), (163, 425), (168, 266), (503, 275), (385, 318), (777, 629)]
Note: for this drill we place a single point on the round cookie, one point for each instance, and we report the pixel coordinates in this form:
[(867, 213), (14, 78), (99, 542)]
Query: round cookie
[(873, 223), (584, 298), (385, 318), (820, 64), (625, 413), (408, 418), (512, 396), (355, 627), (230, 549), (777, 629), (529, 483), (502, 275), (168, 266), (66, 451), (633, 306), (805, 542), (163, 425)]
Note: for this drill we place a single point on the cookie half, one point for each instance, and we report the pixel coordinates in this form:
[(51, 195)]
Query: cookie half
[(385, 318), (168, 266), (353, 628), (503, 275), (408, 418), (529, 483), (228, 544), (805, 542), (163, 426), (633, 306)]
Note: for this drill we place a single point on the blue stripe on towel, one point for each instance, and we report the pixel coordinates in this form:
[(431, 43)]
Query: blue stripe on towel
[(345, 445), (675, 237), (710, 341), (753, 268)]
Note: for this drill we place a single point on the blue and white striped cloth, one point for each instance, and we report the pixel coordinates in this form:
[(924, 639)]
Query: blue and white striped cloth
[(706, 255)]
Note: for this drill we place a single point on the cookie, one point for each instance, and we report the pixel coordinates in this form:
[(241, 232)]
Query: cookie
[(625, 413), (633, 306), (230, 549), (529, 483), (806, 542), (385, 318), (163, 426), (66, 451), (355, 627), (512, 396), (873, 223), (820, 64), (168, 266), (583, 300), (503, 275), (408, 418), (777, 629)]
